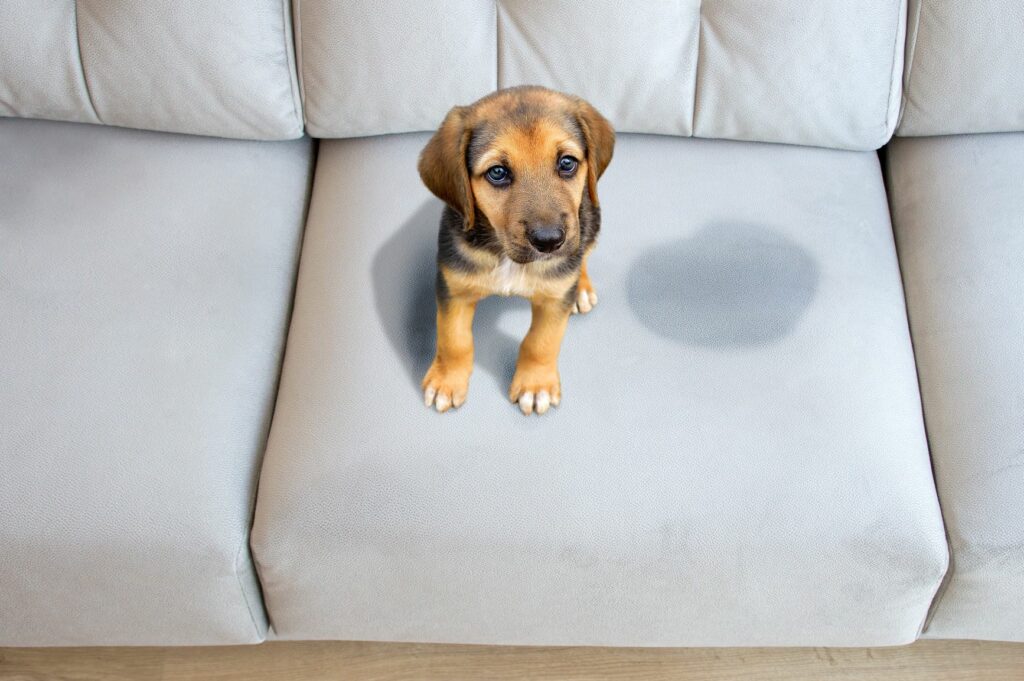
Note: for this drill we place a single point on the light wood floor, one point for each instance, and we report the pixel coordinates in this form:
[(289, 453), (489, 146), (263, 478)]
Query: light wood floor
[(923, 661)]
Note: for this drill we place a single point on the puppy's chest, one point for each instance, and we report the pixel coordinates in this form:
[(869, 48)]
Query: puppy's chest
[(509, 278), (504, 277)]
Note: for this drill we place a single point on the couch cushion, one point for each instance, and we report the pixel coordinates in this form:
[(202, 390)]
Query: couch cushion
[(958, 209), (739, 457), (222, 68), (963, 68), (825, 73), (370, 68), (145, 283)]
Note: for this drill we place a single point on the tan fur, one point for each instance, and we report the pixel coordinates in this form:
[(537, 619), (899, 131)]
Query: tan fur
[(448, 376), (537, 365), (585, 284), (538, 194), (532, 151), (440, 171), (489, 282)]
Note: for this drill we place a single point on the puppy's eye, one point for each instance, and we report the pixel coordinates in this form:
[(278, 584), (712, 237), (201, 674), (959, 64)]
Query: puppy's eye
[(497, 175), (567, 166)]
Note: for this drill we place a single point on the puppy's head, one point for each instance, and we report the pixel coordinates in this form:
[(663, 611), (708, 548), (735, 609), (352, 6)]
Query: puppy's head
[(523, 160)]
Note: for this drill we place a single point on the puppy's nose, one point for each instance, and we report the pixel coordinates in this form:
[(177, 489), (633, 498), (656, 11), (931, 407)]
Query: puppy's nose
[(546, 239)]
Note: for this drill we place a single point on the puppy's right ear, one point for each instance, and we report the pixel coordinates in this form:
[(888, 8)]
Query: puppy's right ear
[(443, 165)]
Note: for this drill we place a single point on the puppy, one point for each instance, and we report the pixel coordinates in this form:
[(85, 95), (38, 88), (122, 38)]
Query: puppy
[(518, 171)]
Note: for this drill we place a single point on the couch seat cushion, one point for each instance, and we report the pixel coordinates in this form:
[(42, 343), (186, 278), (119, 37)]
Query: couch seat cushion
[(958, 210), (739, 457), (145, 283)]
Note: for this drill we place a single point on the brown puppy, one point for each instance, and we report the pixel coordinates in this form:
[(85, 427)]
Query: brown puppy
[(518, 170)]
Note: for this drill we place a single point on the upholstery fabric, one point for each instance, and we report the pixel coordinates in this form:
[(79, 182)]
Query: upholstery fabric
[(739, 457), (963, 68), (958, 211), (825, 73), (370, 67), (145, 283), (222, 68)]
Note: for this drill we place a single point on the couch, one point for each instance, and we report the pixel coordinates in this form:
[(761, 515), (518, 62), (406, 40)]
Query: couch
[(795, 418)]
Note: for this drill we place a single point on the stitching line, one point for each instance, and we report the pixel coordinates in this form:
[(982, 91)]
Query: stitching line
[(293, 67), (909, 66), (892, 71), (696, 68), (81, 68), (245, 596)]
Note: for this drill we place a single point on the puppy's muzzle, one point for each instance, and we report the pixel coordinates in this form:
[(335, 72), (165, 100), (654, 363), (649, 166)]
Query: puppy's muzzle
[(546, 239)]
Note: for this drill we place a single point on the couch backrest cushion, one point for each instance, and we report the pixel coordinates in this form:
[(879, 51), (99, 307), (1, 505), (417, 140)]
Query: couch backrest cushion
[(823, 73), (223, 67), (965, 67)]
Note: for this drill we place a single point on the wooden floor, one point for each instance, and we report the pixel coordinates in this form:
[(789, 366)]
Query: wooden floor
[(923, 661)]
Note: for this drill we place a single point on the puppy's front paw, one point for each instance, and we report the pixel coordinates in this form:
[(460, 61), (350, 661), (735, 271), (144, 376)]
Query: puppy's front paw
[(535, 388), (586, 298), (445, 387)]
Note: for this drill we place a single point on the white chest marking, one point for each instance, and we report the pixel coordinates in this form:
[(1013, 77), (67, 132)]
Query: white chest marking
[(511, 279)]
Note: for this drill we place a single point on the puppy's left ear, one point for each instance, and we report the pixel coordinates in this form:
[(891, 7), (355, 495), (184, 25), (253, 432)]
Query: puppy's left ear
[(443, 165), (600, 139)]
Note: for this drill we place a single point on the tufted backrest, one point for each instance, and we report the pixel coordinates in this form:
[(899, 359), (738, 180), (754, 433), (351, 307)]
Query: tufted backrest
[(965, 67), (210, 67), (821, 72)]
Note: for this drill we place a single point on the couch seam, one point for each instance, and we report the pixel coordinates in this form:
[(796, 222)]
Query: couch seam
[(909, 66), (294, 81), (241, 587), (497, 44), (272, 410), (289, 318), (696, 68), (894, 77), (947, 574), (81, 68)]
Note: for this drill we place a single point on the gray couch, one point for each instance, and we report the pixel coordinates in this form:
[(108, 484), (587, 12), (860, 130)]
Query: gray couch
[(214, 328)]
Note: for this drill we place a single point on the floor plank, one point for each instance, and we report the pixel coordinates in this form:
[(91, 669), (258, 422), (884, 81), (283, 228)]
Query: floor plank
[(316, 661)]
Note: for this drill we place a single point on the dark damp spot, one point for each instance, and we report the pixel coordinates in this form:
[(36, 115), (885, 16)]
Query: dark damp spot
[(729, 285)]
